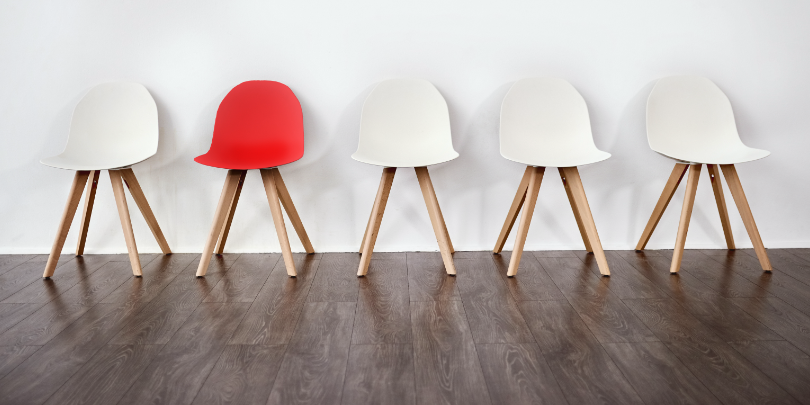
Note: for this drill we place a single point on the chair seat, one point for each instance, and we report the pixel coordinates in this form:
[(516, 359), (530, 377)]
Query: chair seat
[(719, 155), (88, 162), (547, 157), (425, 157), (243, 161)]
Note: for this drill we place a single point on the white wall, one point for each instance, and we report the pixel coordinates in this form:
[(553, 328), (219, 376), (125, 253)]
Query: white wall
[(190, 53)]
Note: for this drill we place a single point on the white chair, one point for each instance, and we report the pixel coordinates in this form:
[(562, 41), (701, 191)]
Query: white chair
[(113, 127), (690, 120), (405, 123), (545, 123)]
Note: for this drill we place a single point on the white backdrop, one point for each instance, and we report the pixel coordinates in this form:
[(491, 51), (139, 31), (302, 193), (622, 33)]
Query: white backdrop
[(190, 53)]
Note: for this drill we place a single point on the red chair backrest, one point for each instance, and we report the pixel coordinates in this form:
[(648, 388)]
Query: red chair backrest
[(259, 124)]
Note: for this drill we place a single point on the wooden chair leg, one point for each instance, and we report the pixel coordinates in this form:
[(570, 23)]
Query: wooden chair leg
[(89, 199), (376, 219), (572, 201), (581, 201), (79, 180), (686, 215), (278, 219), (511, 216), (441, 218), (737, 193), (223, 235), (143, 205), (535, 179), (439, 228), (228, 190), (720, 199), (365, 232), (126, 223), (292, 213), (669, 190)]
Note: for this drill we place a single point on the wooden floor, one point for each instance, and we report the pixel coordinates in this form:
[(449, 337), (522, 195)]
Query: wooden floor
[(721, 331)]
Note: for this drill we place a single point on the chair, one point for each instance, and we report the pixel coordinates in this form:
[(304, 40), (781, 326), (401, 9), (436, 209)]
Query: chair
[(405, 123), (690, 120), (113, 127), (544, 123), (259, 125)]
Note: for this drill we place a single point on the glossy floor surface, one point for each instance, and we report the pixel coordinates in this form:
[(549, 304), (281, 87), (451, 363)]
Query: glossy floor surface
[(721, 331)]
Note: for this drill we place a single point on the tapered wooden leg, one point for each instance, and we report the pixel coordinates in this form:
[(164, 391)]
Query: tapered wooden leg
[(439, 228), (574, 207), (535, 178), (228, 190), (365, 232), (376, 219), (79, 179), (581, 201), (669, 190), (736, 189), (278, 219), (292, 213), (686, 215), (89, 199), (140, 200), (720, 199), (512, 215), (441, 220), (126, 223), (223, 235)]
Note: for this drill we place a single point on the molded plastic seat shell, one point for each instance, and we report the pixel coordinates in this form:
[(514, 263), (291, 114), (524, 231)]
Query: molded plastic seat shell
[(690, 119), (259, 125), (114, 125), (405, 123), (545, 122)]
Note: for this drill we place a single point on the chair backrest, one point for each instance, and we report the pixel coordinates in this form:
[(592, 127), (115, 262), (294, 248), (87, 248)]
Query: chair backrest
[(405, 121), (259, 121), (117, 120), (689, 113), (544, 116)]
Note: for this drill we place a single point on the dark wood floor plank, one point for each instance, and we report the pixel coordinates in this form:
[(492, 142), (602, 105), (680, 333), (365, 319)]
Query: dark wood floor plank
[(383, 311), (777, 283), (163, 316), (604, 313), (156, 276), (657, 375), (12, 314), (517, 373), (380, 374), (428, 279), (242, 282), (63, 356), (792, 265), (123, 257), (244, 374), (336, 280), (314, 365), (64, 278), (783, 363), (670, 321), (531, 282), (583, 369), (106, 377), (554, 253), (445, 359), (22, 275), (8, 262), (492, 313), (273, 316), (219, 263), (179, 370), (12, 356), (624, 281), (790, 323), (725, 281)]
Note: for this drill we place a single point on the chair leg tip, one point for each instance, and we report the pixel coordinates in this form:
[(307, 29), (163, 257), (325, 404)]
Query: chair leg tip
[(361, 275), (138, 276), (510, 276), (292, 276), (46, 278), (200, 276)]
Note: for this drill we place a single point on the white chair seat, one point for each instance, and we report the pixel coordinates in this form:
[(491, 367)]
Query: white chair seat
[(425, 157), (548, 157), (96, 162), (720, 155)]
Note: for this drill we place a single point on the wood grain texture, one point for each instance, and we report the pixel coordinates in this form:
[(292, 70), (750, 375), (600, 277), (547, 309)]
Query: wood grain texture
[(514, 210), (336, 279), (12, 314), (220, 216), (535, 180), (583, 369), (244, 374), (572, 200), (12, 356), (383, 311), (782, 362), (245, 278), (157, 275), (377, 211), (271, 190), (517, 373), (671, 185), (657, 375), (21, 276), (143, 205), (686, 216), (314, 365), (226, 227), (436, 218), (87, 211), (179, 370), (735, 187), (585, 217), (722, 279), (788, 322), (535, 283), (380, 374), (70, 274), (793, 265), (427, 280), (292, 213), (126, 221), (9, 262), (74, 196), (491, 311), (720, 199)]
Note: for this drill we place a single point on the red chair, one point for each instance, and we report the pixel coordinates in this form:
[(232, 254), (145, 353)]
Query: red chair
[(259, 125)]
